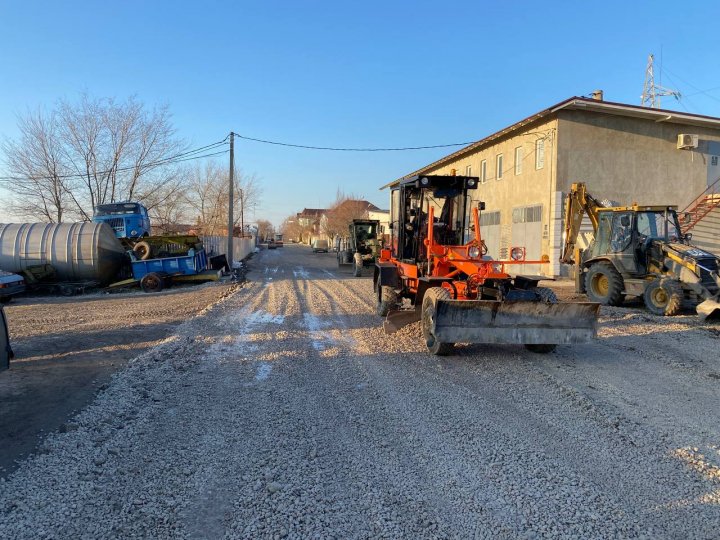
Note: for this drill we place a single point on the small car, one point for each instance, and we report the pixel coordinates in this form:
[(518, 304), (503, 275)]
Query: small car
[(320, 246), (10, 285)]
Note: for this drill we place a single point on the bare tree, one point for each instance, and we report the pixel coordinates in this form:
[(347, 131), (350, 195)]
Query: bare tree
[(264, 228), (89, 152), (292, 228), (342, 212), (207, 196), (38, 183)]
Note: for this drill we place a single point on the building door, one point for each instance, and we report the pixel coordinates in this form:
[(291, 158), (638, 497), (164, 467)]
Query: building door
[(527, 234), (490, 230)]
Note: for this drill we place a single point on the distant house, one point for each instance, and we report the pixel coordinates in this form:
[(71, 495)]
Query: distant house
[(310, 223)]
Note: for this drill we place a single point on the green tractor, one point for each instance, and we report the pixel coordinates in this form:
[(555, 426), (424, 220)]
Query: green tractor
[(362, 246)]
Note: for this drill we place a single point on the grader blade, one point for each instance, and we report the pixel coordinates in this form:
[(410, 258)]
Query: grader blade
[(708, 310), (519, 322), (396, 320)]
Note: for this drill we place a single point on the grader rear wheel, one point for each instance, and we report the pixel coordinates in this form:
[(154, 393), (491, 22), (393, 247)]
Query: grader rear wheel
[(387, 300), (429, 313)]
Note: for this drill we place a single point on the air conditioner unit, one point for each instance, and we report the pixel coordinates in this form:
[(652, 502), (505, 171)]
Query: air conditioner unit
[(686, 141)]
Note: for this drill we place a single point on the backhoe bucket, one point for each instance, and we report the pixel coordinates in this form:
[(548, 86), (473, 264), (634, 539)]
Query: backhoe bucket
[(708, 310), (519, 322)]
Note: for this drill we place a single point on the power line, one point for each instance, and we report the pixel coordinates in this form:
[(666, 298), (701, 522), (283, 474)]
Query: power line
[(335, 149), (177, 158)]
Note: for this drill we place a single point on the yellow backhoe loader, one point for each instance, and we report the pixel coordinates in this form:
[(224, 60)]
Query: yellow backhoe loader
[(639, 251)]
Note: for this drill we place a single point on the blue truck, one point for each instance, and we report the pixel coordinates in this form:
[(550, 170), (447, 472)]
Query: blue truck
[(129, 220)]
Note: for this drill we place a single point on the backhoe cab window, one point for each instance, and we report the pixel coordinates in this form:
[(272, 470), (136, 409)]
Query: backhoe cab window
[(656, 225), (621, 232)]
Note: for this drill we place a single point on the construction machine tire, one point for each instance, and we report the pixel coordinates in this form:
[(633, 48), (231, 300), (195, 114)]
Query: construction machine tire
[(387, 300), (546, 295), (429, 312), (357, 265), (142, 250), (604, 284), (664, 297), (152, 282)]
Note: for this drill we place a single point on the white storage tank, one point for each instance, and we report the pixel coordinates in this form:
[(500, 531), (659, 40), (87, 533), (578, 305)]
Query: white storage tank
[(77, 251)]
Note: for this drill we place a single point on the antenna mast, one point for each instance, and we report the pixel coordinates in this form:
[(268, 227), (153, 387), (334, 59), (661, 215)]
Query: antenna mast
[(651, 91)]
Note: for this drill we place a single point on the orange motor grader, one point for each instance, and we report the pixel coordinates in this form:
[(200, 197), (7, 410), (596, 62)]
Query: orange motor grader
[(431, 272)]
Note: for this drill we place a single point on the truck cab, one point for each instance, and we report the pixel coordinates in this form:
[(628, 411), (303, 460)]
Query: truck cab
[(127, 219)]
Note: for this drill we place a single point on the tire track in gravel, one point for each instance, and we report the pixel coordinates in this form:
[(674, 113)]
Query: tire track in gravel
[(608, 440), (407, 404), (363, 484)]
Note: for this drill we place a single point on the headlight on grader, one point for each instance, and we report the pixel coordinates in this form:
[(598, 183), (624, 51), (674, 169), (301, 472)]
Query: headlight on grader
[(474, 252)]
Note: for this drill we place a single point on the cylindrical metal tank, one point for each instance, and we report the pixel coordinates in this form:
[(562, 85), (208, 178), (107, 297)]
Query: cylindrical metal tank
[(77, 251)]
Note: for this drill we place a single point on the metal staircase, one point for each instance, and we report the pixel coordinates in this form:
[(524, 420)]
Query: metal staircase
[(701, 206)]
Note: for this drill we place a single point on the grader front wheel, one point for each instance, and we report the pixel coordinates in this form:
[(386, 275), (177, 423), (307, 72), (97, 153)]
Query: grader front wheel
[(429, 314)]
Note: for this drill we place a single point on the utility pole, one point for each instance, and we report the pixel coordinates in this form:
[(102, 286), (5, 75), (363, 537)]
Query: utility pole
[(231, 196), (242, 211)]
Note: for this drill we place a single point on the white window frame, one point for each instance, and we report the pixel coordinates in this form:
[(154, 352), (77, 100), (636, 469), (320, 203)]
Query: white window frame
[(468, 170), (539, 154), (499, 167), (518, 160), (483, 171)]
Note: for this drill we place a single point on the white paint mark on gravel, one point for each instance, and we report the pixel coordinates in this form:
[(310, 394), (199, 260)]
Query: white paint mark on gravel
[(300, 272), (263, 317), (263, 370)]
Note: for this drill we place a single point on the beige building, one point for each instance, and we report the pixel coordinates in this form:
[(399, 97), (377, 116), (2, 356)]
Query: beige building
[(623, 153)]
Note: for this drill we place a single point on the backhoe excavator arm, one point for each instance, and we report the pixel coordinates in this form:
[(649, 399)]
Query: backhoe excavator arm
[(578, 203)]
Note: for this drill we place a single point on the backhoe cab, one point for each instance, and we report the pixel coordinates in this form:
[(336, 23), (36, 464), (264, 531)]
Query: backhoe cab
[(436, 271), (639, 251)]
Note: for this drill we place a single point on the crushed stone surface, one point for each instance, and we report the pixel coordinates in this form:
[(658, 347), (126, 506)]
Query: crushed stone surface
[(283, 411)]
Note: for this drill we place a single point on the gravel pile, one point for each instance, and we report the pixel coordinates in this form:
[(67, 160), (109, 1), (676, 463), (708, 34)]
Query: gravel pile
[(283, 411)]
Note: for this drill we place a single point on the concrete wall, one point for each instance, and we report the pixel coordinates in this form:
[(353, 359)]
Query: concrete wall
[(631, 159), (217, 245)]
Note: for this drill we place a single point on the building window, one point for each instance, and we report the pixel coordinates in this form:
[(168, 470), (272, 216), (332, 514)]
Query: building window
[(539, 153), (527, 214), (468, 170), (489, 218), (518, 160), (499, 167), (483, 171)]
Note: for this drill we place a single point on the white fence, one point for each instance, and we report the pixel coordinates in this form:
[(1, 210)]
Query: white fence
[(217, 245)]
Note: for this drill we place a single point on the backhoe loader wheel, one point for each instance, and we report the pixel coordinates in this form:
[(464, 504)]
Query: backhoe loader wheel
[(664, 297), (358, 264), (429, 313), (604, 284), (387, 300), (546, 295)]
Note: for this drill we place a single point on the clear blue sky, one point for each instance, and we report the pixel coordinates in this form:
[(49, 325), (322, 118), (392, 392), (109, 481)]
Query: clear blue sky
[(341, 73)]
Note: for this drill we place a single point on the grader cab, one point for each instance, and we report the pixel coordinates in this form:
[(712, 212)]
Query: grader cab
[(436, 271)]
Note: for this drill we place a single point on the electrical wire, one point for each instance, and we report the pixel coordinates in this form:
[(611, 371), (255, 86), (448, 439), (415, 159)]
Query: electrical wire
[(177, 158), (336, 149)]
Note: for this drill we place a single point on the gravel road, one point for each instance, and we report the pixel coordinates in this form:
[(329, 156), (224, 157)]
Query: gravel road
[(283, 411), (68, 348)]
